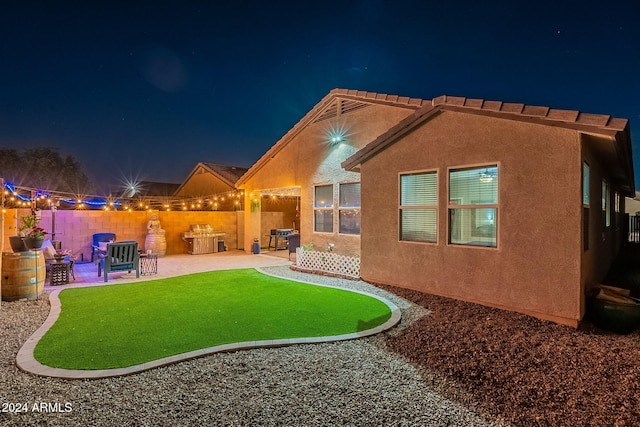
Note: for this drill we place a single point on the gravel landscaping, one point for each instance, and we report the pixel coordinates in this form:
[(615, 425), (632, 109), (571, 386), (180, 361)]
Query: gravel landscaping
[(357, 382), (526, 371), (447, 363)]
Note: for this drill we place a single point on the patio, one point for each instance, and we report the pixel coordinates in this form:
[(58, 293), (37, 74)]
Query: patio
[(86, 273)]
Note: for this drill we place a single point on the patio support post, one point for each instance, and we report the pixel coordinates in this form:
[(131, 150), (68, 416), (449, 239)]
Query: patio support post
[(252, 219)]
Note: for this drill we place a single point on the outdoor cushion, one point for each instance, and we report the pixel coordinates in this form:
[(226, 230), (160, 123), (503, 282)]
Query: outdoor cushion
[(48, 250)]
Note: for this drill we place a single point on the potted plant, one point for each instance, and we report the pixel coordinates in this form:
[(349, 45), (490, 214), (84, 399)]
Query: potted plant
[(33, 235)]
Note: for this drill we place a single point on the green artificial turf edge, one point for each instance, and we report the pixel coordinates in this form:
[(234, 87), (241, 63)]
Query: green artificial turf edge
[(121, 325)]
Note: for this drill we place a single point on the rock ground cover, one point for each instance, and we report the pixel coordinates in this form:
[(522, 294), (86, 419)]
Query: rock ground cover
[(356, 382), (460, 364), (526, 371)]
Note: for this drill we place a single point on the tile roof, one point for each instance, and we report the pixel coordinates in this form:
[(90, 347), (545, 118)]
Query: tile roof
[(597, 124), (566, 117), (231, 174)]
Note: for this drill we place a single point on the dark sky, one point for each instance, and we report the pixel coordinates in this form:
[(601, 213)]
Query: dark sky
[(138, 89)]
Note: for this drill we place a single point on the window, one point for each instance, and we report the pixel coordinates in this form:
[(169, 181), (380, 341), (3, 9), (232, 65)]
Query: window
[(473, 206), (418, 207), (349, 208), (585, 184), (606, 203), (585, 206), (323, 209)]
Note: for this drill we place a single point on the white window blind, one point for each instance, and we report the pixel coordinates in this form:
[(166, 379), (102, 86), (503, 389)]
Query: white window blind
[(323, 209), (349, 208), (418, 207), (473, 206), (585, 184)]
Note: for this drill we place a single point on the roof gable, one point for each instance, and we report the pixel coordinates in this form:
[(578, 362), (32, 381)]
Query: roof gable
[(229, 175), (335, 103)]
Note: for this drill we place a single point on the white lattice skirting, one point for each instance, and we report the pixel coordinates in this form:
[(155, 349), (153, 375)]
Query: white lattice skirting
[(328, 262)]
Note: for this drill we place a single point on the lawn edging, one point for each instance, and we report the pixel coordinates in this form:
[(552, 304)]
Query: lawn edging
[(26, 361)]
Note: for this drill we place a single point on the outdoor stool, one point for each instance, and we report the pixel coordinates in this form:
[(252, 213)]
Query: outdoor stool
[(59, 272), (148, 264)]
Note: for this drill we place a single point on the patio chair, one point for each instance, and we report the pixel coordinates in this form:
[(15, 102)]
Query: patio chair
[(293, 242), (119, 257), (100, 238)]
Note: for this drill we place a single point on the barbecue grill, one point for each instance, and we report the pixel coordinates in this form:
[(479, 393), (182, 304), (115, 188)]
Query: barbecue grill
[(202, 239)]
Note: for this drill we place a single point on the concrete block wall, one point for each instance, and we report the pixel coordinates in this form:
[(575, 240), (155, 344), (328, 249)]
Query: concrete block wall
[(75, 229)]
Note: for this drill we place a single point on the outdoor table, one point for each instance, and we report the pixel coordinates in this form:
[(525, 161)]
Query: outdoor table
[(148, 264)]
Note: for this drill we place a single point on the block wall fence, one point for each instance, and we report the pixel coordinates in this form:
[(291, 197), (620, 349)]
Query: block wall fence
[(75, 228)]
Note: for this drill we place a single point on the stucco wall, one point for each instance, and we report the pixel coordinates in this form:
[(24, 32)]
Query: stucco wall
[(310, 160), (604, 242), (535, 268)]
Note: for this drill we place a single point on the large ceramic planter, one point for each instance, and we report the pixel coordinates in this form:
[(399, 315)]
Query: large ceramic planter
[(613, 316), (17, 244), (33, 242)]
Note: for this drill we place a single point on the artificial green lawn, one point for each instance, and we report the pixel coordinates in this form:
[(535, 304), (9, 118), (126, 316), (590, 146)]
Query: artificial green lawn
[(121, 325)]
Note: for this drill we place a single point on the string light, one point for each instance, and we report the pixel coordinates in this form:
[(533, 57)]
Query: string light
[(19, 196)]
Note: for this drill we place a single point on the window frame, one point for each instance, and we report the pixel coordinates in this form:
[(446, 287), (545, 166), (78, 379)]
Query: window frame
[(606, 203), (330, 209), (586, 201), (435, 207), (453, 205), (357, 209)]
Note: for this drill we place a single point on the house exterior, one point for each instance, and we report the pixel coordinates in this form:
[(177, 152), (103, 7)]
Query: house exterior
[(210, 178), (305, 164), (508, 205), (632, 205)]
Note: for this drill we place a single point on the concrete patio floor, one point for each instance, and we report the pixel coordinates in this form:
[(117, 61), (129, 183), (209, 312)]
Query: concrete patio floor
[(86, 273)]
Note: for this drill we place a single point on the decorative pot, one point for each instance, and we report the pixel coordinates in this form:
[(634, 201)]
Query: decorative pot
[(612, 316), (17, 244), (33, 242)]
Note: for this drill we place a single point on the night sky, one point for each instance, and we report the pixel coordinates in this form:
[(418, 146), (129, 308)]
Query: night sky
[(146, 90)]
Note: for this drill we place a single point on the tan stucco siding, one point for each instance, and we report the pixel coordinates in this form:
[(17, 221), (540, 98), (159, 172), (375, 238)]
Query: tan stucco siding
[(203, 183), (535, 268), (309, 160), (604, 241)]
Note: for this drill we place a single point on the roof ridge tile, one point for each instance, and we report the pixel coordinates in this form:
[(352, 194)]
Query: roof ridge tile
[(474, 103), (593, 119), (512, 107), (535, 110)]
